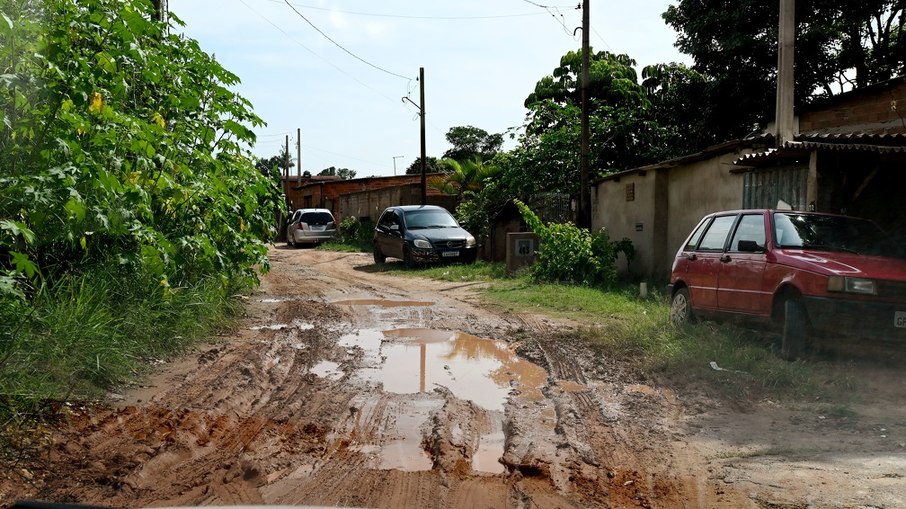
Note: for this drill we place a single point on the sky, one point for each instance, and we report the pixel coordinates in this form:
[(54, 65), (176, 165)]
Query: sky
[(339, 69)]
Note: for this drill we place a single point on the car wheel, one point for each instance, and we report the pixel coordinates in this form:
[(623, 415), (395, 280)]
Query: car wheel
[(379, 257), (407, 257), (795, 326), (681, 307), (291, 241)]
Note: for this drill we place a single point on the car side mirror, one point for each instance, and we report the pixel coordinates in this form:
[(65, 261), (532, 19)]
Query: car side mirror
[(394, 227), (749, 246)]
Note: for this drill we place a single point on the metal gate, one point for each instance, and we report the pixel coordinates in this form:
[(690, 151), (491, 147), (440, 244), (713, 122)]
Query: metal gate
[(765, 189)]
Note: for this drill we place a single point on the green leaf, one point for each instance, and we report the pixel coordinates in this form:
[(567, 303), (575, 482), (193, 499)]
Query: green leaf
[(16, 229), (75, 208), (6, 24), (23, 264)]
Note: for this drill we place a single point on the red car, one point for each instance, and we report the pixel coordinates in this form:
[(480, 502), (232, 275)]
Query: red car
[(803, 272)]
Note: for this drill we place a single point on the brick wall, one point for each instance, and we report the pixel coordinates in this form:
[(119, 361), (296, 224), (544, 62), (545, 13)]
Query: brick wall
[(874, 105)]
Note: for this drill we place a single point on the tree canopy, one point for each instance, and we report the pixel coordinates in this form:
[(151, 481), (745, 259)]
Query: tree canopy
[(471, 143), (343, 173), (431, 166)]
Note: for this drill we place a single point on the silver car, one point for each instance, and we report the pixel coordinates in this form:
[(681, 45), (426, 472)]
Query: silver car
[(310, 226)]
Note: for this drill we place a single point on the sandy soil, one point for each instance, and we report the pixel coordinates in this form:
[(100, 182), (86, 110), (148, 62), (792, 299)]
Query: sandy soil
[(344, 386)]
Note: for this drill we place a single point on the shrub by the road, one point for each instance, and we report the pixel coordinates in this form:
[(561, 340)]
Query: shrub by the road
[(130, 208), (569, 254)]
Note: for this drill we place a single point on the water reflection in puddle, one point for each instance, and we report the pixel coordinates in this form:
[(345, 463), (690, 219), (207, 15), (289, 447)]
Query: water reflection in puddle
[(383, 303), (327, 369), (297, 324), (479, 370)]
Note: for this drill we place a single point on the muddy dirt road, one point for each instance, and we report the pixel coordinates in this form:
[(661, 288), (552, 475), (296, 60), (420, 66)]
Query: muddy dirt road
[(344, 386)]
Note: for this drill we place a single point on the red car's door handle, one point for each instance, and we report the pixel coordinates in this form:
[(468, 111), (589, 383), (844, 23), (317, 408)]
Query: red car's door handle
[(725, 258)]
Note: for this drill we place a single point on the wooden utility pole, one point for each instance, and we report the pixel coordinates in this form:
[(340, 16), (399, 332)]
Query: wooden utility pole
[(583, 214), (785, 115), (299, 153), (421, 80)]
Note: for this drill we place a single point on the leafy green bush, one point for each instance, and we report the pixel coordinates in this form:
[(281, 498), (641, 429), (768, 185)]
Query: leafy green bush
[(121, 141), (353, 234), (569, 254)]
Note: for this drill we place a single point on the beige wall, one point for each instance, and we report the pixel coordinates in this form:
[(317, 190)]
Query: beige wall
[(696, 190), (611, 210), (668, 203)]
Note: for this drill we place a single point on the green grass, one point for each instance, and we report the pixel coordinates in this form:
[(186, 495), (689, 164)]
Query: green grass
[(83, 335)]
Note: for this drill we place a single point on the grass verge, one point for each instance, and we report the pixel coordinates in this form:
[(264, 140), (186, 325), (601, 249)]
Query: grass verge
[(85, 334)]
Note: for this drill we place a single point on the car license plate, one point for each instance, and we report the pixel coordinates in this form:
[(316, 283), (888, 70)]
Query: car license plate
[(318, 228), (899, 319), (450, 254)]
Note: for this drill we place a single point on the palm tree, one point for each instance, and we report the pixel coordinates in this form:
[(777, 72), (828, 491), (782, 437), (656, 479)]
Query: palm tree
[(468, 175)]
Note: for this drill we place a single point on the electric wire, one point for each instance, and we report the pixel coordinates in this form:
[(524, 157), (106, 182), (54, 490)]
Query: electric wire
[(328, 62), (360, 59), (405, 16)]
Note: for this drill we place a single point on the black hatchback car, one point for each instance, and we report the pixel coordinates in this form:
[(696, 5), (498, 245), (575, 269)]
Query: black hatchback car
[(421, 234)]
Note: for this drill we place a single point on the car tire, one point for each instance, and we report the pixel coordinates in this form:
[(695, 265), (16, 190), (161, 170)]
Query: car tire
[(681, 307), (291, 241), (795, 328), (379, 257), (407, 257)]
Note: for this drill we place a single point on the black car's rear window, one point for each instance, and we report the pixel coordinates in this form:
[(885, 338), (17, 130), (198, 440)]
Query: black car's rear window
[(316, 218)]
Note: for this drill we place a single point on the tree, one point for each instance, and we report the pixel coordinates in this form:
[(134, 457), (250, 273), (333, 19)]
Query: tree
[(471, 143), (679, 96), (416, 167), (839, 44), (343, 173), (282, 162), (468, 175), (623, 133)]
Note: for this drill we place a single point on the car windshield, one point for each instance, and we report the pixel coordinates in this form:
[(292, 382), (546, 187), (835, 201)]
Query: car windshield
[(316, 218), (416, 219), (831, 233)]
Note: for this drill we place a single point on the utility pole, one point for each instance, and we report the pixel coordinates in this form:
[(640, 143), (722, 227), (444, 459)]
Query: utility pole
[(299, 153), (785, 73), (583, 214), (421, 80), (286, 163), (421, 111), (394, 163)]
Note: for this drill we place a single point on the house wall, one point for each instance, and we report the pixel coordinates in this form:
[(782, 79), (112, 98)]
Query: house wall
[(613, 210), (668, 203), (327, 192), (369, 204)]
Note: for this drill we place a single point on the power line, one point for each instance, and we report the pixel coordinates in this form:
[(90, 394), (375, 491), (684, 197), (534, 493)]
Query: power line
[(328, 62), (360, 59), (550, 10), (405, 16)]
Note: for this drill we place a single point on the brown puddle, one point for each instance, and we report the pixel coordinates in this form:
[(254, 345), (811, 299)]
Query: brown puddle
[(479, 370), (383, 303)]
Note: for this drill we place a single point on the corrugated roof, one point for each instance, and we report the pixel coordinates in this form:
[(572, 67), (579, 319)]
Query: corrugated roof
[(881, 143)]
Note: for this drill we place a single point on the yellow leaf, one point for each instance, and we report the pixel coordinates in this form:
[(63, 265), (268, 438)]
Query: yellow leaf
[(241, 225), (97, 103), (80, 131), (158, 119), (84, 243)]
